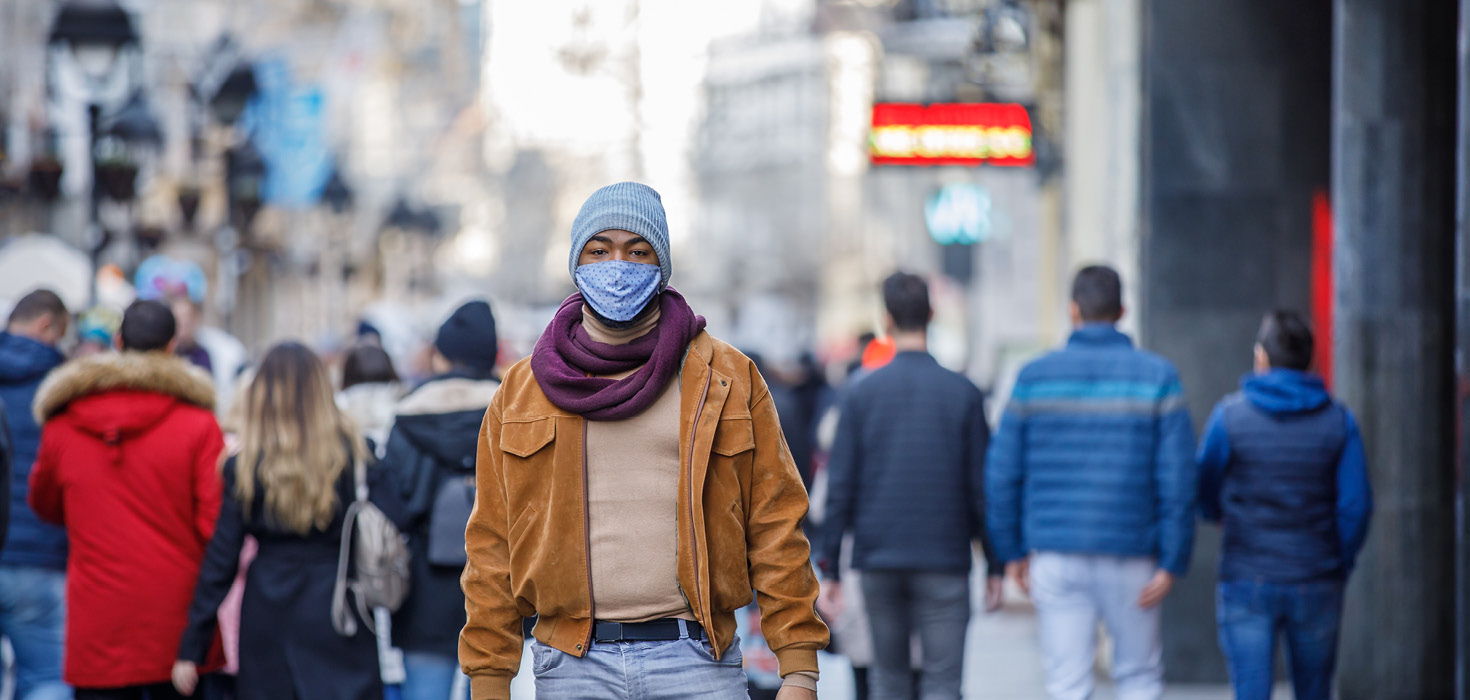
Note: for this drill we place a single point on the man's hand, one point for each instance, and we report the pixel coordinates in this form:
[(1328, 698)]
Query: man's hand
[(185, 677), (1157, 589), (791, 692), (829, 602), (1020, 572), (995, 587)]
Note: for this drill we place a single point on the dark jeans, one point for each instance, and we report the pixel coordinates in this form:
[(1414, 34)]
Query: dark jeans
[(156, 691), (1253, 614), (936, 606), (212, 686)]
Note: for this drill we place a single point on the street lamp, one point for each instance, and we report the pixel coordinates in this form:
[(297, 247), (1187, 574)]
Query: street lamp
[(1001, 51), (126, 142), (95, 34), (228, 103), (245, 172)]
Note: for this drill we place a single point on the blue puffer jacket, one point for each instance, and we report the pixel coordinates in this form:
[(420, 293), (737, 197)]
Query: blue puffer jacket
[(1094, 456), (23, 364), (1282, 468)]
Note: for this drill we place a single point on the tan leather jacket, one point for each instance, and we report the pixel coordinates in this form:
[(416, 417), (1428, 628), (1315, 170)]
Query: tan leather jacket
[(740, 506)]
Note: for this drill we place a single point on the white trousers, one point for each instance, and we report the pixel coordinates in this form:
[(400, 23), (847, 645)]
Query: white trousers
[(1072, 593)]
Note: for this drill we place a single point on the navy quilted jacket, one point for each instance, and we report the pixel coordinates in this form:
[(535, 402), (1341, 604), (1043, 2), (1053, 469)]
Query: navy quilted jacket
[(1282, 468)]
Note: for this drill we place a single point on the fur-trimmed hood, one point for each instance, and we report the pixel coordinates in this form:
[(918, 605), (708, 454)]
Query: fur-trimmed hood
[(442, 417), (154, 372), (449, 394)]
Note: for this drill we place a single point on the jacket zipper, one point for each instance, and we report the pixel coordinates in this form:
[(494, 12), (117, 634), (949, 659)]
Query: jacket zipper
[(587, 540), (693, 540)]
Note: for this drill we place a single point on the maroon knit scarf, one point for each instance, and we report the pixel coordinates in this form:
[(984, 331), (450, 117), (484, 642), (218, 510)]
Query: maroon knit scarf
[(571, 367)]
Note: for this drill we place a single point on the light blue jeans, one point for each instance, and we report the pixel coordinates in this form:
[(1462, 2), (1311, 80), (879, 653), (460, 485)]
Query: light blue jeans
[(430, 677), (673, 670), (33, 618)]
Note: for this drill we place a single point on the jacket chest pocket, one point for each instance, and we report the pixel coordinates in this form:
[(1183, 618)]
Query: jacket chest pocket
[(528, 458), (732, 455), (525, 438), (734, 436)]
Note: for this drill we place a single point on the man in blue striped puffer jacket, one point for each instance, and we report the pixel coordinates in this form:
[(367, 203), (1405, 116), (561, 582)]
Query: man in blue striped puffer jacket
[(1090, 485)]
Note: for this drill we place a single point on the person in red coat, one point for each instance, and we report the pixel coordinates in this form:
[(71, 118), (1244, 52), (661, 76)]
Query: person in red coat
[(129, 465)]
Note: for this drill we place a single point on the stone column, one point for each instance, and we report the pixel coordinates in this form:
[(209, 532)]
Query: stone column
[(1393, 147)]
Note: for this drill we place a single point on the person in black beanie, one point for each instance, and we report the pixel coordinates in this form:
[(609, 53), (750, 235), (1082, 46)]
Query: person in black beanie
[(466, 342), (431, 450)]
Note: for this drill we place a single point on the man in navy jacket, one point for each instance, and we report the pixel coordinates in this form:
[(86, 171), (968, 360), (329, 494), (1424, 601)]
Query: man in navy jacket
[(1282, 470), (33, 563), (906, 479), (1091, 488)]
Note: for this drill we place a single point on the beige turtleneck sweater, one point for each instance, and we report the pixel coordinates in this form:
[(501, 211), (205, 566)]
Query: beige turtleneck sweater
[(632, 491), (632, 486)]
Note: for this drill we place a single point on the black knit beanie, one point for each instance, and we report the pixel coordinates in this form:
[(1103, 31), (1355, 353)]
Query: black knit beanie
[(468, 337)]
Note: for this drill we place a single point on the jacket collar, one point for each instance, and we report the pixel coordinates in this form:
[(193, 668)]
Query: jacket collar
[(1094, 335), (155, 372), (25, 359)]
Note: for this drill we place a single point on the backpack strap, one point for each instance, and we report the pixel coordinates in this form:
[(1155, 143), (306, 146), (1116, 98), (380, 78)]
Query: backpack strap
[(342, 618), (359, 477)]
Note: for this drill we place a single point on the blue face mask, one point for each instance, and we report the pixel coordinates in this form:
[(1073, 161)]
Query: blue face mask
[(618, 289)]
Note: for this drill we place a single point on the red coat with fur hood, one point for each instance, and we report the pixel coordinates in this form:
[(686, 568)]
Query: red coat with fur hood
[(129, 466)]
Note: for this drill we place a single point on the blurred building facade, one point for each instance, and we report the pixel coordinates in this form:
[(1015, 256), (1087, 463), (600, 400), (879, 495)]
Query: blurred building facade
[(284, 190), (787, 114)]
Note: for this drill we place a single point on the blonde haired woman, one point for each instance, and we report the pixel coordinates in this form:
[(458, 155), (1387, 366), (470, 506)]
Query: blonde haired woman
[(288, 488)]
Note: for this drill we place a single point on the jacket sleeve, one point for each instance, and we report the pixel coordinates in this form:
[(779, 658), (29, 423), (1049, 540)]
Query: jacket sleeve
[(843, 469), (44, 494), (977, 439), (1005, 477), (410, 474), (1213, 457), (490, 643), (780, 557), (208, 489), (385, 493), (216, 574), (7, 457), (1354, 496), (1176, 478)]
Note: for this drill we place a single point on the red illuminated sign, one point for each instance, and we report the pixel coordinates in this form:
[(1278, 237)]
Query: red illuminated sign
[(950, 134)]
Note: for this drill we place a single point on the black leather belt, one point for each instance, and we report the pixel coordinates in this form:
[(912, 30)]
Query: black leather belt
[(651, 631)]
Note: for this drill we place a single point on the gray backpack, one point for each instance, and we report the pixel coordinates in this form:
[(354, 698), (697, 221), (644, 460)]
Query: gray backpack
[(378, 555), (449, 518)]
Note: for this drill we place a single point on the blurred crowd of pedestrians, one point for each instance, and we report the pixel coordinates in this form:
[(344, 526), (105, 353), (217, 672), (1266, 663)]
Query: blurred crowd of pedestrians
[(632, 499)]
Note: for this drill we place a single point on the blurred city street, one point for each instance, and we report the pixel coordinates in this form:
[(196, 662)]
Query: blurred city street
[(1173, 293)]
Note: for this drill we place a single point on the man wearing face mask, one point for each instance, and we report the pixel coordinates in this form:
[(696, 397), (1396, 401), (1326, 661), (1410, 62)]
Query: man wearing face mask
[(634, 489)]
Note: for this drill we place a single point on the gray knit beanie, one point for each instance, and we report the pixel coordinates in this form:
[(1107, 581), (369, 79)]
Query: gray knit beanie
[(625, 206)]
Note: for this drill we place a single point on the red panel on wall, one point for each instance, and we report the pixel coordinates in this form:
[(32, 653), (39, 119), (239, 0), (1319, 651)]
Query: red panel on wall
[(1322, 282)]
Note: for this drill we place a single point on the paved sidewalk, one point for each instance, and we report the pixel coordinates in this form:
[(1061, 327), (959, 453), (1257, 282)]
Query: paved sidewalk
[(1003, 663)]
